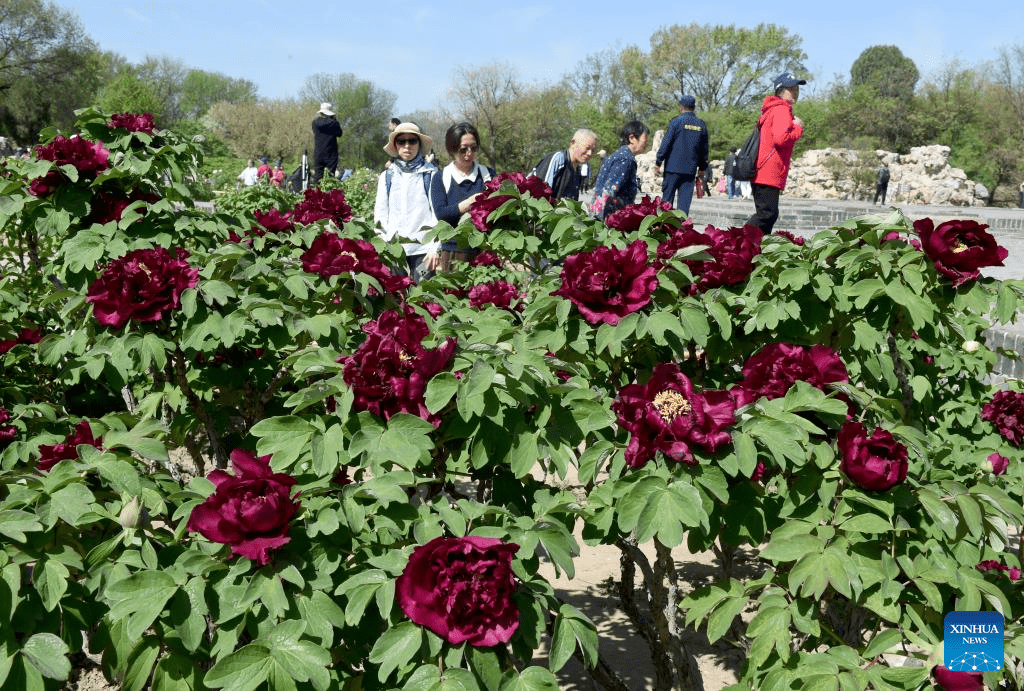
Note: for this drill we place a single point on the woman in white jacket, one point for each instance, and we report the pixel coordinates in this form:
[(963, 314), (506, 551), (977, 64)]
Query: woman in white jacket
[(402, 208)]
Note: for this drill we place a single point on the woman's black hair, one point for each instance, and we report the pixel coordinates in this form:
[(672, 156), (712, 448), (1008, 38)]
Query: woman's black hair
[(453, 138), (633, 128)]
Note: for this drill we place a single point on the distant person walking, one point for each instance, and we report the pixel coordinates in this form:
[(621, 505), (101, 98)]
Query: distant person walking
[(684, 151), (779, 134), (326, 130), (616, 184), (1022, 195), (883, 183), (730, 184), (249, 174)]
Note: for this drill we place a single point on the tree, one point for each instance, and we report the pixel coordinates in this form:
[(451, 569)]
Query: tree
[(722, 66), (127, 93), (363, 111), (887, 70), (201, 89), (48, 67), (483, 95), (275, 128)]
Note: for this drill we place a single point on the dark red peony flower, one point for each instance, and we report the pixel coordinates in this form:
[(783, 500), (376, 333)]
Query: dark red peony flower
[(89, 158), (667, 415), (7, 432), (109, 206), (142, 286), (461, 589), (875, 463), (389, 372), (249, 511), (330, 255), (733, 251), (959, 248), (318, 205), (998, 463), (50, 456), (273, 221), (951, 680), (488, 201), (486, 258), (775, 368), (1006, 412), (896, 236), (526, 184), (607, 283), (133, 122), (1012, 572), (498, 293), (628, 218), (482, 208), (795, 239), (27, 336)]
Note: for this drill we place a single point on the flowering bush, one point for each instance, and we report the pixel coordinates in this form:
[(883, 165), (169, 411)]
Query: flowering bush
[(820, 419)]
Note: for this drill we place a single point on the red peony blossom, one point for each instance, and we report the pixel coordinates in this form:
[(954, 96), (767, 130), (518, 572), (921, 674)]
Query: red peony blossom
[(1006, 412), (273, 221), (526, 184), (389, 372), (606, 283), (482, 208), (51, 455), (959, 248), (486, 258), (7, 432), (109, 206), (488, 201), (318, 205), (733, 251), (461, 589), (876, 463), (133, 122), (27, 336), (498, 293), (628, 218), (89, 158), (142, 286), (998, 463), (775, 368), (950, 680), (667, 415), (795, 239), (249, 511), (895, 236), (331, 255)]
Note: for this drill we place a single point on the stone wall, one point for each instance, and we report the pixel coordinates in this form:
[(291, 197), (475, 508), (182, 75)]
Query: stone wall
[(922, 176)]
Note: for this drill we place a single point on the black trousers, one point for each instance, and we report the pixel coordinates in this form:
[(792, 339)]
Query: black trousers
[(766, 207), (880, 191)]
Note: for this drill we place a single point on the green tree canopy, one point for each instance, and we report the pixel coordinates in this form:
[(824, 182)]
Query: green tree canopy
[(722, 66), (201, 89), (887, 70), (48, 67)]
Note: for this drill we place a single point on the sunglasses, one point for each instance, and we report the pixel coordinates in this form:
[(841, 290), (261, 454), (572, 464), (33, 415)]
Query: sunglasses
[(472, 148), (407, 141)]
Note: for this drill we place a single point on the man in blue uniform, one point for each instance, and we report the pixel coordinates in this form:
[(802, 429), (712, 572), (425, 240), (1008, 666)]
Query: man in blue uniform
[(684, 151)]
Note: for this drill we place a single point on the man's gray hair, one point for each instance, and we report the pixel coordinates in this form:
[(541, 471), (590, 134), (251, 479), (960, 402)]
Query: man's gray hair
[(583, 132)]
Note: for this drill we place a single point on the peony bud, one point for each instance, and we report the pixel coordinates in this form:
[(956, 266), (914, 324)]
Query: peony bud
[(130, 512), (971, 346)]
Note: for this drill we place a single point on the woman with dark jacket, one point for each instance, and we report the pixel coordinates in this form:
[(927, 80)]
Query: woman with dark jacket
[(616, 184), (457, 185)]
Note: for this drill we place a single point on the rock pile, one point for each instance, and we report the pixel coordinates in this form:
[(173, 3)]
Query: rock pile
[(922, 176)]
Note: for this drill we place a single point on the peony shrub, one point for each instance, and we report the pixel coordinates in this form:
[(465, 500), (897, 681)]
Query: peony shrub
[(819, 417)]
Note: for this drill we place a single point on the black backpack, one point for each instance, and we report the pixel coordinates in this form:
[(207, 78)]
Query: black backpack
[(745, 167)]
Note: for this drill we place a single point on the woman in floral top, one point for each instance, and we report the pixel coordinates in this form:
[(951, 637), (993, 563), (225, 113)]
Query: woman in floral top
[(616, 184)]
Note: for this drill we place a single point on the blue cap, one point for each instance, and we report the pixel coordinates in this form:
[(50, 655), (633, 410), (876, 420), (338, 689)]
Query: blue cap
[(787, 80), (687, 101)]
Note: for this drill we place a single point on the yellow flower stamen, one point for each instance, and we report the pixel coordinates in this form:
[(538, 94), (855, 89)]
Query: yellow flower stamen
[(671, 404)]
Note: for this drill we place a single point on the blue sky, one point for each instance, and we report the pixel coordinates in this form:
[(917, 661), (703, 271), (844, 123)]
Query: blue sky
[(411, 48)]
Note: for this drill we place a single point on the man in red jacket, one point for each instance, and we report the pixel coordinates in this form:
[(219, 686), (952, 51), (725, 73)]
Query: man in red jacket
[(779, 134)]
